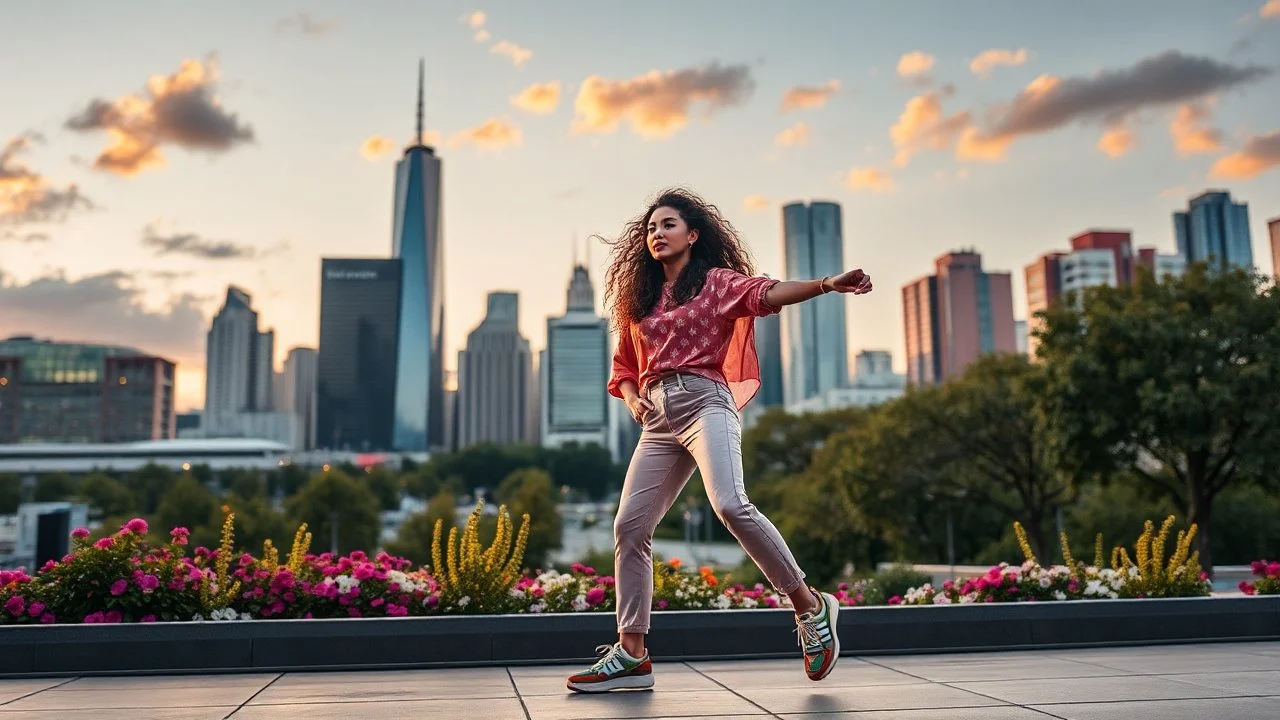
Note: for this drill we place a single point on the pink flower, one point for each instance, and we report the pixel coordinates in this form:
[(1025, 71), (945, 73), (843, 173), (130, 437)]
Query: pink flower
[(148, 583), (433, 600), (595, 596), (364, 572), (179, 535), (104, 543), (113, 617), (137, 526), (895, 600), (16, 605), (35, 609), (397, 610), (1273, 569), (377, 602), (47, 619), (80, 533), (1247, 588), (353, 612), (93, 618), (119, 587), (607, 581), (147, 619), (662, 604)]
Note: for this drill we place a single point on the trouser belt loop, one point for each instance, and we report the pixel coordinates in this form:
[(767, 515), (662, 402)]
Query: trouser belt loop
[(680, 380)]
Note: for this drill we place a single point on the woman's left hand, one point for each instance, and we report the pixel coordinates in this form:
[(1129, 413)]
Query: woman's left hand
[(854, 281)]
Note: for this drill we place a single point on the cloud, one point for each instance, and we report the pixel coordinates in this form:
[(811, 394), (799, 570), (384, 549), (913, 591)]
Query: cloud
[(104, 308), (194, 245), (1050, 103), (989, 60), (1117, 141), (25, 238), (753, 203), (539, 98), (518, 55), (304, 24), (1190, 136), (922, 125), (809, 97), (873, 179), (26, 197), (797, 134), (1270, 10), (657, 104), (476, 19), (182, 110), (492, 134), (375, 146), (1259, 154), (915, 64)]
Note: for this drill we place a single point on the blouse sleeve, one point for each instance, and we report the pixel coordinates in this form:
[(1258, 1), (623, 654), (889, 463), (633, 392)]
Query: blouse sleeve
[(742, 296), (625, 365)]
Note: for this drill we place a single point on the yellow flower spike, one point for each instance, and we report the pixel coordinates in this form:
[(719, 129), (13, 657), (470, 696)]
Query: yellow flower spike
[(1097, 551), (1067, 557), (1023, 543), (270, 557), (1157, 550)]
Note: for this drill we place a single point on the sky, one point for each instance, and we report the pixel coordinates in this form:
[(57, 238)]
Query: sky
[(152, 153)]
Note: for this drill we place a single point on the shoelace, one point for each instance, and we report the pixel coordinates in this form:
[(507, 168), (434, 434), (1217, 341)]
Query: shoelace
[(807, 636), (612, 654)]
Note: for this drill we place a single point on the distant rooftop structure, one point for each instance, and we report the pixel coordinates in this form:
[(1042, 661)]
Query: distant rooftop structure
[(77, 458)]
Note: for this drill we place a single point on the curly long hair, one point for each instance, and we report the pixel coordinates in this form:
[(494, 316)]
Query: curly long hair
[(633, 283)]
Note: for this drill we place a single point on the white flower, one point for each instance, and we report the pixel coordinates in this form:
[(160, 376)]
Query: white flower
[(197, 618), (538, 607), (579, 603), (722, 602), (1059, 595), (749, 602), (245, 616), (941, 599), (1133, 572), (966, 599), (464, 601), (1044, 582), (517, 593)]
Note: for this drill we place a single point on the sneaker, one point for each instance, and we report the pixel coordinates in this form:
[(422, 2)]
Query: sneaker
[(817, 637), (615, 670)]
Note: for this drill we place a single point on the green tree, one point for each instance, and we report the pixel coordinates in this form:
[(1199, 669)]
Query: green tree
[(247, 485), (107, 494), (587, 468), (191, 505), (256, 521), (530, 492), (484, 465), (10, 494), (386, 485), (53, 488), (1175, 381), (335, 504), (780, 447), (413, 541), (149, 484)]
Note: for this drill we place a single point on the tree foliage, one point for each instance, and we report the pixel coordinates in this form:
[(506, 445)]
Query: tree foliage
[(332, 500)]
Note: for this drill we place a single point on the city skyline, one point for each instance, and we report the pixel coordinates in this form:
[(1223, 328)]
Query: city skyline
[(120, 223)]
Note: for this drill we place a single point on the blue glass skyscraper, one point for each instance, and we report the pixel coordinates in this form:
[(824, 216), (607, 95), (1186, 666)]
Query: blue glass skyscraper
[(1215, 229), (416, 242), (814, 346)]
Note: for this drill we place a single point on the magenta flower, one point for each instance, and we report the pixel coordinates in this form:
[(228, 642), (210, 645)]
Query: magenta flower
[(179, 535), (397, 610), (147, 619), (16, 605), (80, 533), (137, 526), (354, 612), (895, 600), (595, 596), (47, 619), (113, 617), (433, 600), (148, 583), (35, 609), (119, 587), (93, 618), (364, 572), (104, 543), (662, 604)]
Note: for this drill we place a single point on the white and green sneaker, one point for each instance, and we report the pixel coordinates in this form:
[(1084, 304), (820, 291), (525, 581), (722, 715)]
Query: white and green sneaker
[(817, 637), (615, 670)]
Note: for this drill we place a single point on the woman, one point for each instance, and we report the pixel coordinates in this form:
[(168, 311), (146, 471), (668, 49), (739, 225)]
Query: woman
[(682, 295)]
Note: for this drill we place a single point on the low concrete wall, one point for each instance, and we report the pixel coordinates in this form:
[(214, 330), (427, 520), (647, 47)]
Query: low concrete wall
[(279, 645)]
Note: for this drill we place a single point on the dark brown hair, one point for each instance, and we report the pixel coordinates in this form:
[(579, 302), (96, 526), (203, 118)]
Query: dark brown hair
[(633, 283)]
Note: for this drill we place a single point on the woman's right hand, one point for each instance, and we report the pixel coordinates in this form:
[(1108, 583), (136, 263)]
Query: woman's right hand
[(639, 407)]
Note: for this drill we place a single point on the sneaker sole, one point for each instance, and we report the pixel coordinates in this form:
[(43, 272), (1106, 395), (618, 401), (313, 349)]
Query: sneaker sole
[(833, 611), (626, 682)]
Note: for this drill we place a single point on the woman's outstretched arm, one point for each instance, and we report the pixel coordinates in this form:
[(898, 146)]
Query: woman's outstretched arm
[(791, 292)]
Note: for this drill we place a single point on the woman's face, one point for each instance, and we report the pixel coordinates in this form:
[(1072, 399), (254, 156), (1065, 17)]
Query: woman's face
[(669, 235)]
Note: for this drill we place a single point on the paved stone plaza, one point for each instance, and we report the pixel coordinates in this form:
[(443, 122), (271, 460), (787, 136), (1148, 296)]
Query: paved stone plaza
[(1224, 682)]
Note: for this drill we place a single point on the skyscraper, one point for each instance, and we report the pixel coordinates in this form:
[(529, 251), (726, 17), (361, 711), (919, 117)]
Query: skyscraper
[(298, 390), (356, 363), (1215, 229), (416, 242), (955, 316), (574, 370), (238, 364), (814, 347), (769, 349), (1273, 228), (1096, 258), (495, 378)]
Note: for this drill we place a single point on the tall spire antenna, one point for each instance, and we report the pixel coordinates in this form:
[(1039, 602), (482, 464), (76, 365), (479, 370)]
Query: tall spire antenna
[(418, 137)]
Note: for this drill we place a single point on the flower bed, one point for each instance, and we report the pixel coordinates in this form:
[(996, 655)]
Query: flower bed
[(123, 578), (1267, 580)]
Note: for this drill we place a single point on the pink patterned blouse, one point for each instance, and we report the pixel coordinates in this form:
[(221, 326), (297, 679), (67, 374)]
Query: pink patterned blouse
[(712, 335)]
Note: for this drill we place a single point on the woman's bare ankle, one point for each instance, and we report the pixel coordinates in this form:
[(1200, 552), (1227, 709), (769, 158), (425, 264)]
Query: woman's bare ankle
[(633, 643)]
